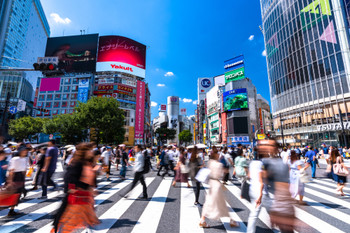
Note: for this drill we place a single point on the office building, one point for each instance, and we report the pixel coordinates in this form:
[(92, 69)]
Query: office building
[(307, 54)]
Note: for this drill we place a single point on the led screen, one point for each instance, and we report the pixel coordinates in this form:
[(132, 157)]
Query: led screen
[(235, 100)]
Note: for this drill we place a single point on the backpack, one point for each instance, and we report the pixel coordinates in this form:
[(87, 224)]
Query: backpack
[(233, 155), (147, 162), (223, 160)]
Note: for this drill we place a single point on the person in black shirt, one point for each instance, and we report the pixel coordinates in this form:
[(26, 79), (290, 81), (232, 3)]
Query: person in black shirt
[(124, 162)]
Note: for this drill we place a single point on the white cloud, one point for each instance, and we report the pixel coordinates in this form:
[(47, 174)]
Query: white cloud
[(195, 102), (180, 99), (264, 53), (57, 18), (157, 69), (169, 74), (154, 104), (185, 100), (251, 38), (160, 85)]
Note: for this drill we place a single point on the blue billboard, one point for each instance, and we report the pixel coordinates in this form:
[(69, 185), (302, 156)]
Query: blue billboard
[(235, 100), (234, 63)]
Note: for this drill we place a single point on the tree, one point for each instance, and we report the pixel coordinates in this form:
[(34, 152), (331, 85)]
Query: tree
[(185, 137), (165, 134), (104, 117), (68, 127), (23, 127)]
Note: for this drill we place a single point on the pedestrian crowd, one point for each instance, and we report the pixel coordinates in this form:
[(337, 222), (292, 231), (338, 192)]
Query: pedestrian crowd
[(269, 177)]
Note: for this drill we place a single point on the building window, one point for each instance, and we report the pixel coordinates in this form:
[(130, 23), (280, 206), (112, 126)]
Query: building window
[(75, 80), (67, 81), (66, 89), (64, 104), (41, 97), (63, 111), (75, 88), (55, 112), (74, 96), (49, 97), (48, 105), (65, 96), (57, 96), (72, 104), (56, 105), (40, 104)]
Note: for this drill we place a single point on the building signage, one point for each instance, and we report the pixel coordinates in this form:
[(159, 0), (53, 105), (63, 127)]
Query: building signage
[(117, 53), (234, 75), (333, 127), (234, 63), (140, 110), (129, 82), (261, 121), (46, 60), (83, 90), (125, 88), (261, 136), (206, 83), (105, 87), (173, 99), (21, 105), (105, 80), (239, 139), (163, 107), (183, 111)]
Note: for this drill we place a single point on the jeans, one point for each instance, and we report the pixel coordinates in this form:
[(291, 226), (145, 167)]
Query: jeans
[(49, 182), (166, 170), (313, 169), (123, 171), (198, 190), (255, 211), (139, 177)]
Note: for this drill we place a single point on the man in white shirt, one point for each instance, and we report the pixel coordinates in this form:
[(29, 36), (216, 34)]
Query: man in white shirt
[(170, 153), (285, 155), (138, 169), (106, 158)]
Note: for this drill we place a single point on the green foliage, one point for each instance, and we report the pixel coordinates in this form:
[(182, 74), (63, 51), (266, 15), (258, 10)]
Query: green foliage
[(104, 116), (23, 127), (185, 136), (68, 126), (166, 134)]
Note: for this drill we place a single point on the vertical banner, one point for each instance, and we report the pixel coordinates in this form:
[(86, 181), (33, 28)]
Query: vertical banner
[(261, 122), (194, 133), (83, 90), (21, 106), (140, 110), (204, 132), (224, 127)]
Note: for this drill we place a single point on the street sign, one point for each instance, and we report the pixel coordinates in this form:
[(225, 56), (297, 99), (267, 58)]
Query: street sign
[(51, 136), (13, 110), (21, 106), (261, 136), (46, 60)]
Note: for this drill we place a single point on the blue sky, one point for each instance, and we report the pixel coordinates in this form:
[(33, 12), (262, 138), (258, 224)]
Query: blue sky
[(186, 39)]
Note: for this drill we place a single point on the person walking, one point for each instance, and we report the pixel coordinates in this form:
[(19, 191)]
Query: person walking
[(77, 208), (106, 158), (138, 172), (182, 169), (341, 180), (163, 162), (226, 161), (17, 169), (310, 157), (49, 168), (215, 201), (40, 160), (124, 162), (3, 167), (170, 154), (296, 186), (195, 165), (241, 167)]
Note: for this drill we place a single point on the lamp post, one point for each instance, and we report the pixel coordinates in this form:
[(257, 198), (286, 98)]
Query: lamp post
[(282, 130), (342, 128)]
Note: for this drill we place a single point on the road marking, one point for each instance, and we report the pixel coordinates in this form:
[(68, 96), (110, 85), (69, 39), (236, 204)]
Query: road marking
[(152, 214), (111, 216), (328, 197), (329, 183), (189, 214)]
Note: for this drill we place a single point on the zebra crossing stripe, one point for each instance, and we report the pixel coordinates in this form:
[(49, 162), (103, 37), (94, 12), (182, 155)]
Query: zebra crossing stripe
[(233, 215), (329, 182), (327, 197), (188, 211), (98, 200), (151, 215), (111, 216)]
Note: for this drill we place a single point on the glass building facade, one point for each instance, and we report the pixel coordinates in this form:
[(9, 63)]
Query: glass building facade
[(307, 53)]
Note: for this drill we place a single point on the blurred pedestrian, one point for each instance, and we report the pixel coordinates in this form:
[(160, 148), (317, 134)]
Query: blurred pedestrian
[(336, 159), (124, 162), (215, 201), (241, 167), (49, 168), (310, 157), (3, 167), (40, 158), (77, 208), (182, 169), (297, 187), (106, 158), (226, 160), (163, 162)]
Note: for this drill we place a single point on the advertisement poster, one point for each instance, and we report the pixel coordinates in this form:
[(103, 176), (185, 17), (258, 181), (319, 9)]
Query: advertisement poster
[(261, 121), (224, 127), (50, 84), (105, 80), (163, 107), (117, 53), (83, 90), (234, 63), (235, 100), (140, 110), (234, 75), (75, 53), (183, 111)]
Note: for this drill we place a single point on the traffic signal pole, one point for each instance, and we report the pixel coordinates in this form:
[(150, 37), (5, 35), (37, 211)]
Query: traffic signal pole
[(5, 110)]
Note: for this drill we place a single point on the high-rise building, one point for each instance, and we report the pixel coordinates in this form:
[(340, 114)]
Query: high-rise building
[(307, 54)]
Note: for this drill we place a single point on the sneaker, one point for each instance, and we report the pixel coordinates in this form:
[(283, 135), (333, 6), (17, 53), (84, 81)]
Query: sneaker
[(43, 198), (12, 213)]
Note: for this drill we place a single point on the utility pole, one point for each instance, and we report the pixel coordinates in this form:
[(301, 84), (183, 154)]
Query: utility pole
[(282, 130), (343, 130), (5, 109)]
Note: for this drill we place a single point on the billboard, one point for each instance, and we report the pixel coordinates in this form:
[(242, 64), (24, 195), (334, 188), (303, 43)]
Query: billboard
[(117, 53), (140, 110), (83, 90), (234, 75), (234, 63), (235, 100), (50, 84), (163, 107), (204, 85), (75, 53), (183, 111)]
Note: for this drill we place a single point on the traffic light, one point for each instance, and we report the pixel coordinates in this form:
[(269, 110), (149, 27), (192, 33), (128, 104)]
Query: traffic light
[(44, 66)]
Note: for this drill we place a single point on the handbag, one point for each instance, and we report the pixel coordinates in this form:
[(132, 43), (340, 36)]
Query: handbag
[(339, 170), (304, 177), (30, 172), (184, 169), (245, 190), (203, 175)]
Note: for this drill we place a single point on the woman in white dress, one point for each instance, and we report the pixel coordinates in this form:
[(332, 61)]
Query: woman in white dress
[(215, 201), (296, 186)]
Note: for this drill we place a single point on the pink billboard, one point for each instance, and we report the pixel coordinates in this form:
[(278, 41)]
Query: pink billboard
[(140, 110), (50, 84)]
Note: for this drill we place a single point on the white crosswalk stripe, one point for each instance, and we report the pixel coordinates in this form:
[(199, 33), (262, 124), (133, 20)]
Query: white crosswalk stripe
[(320, 196)]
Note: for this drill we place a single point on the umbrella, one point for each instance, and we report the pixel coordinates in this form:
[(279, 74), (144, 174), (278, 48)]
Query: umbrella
[(12, 143), (122, 145), (201, 146), (190, 147), (68, 146), (40, 145)]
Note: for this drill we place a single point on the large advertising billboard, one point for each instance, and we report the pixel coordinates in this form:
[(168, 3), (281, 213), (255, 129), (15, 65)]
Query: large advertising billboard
[(117, 53), (50, 84), (235, 100), (75, 53), (234, 75), (234, 69), (140, 110)]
